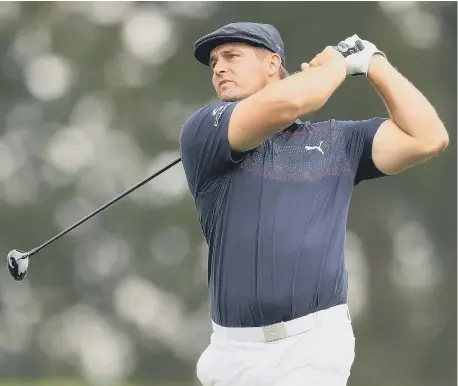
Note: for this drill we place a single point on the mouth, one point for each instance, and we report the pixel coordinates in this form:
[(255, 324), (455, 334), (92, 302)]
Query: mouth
[(223, 82)]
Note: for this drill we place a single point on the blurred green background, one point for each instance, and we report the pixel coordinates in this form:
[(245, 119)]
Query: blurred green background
[(93, 96)]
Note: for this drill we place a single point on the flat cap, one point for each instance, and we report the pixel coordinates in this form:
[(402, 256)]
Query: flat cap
[(255, 34)]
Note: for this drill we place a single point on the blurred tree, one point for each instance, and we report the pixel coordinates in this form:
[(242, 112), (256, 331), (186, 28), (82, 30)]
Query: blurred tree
[(92, 98)]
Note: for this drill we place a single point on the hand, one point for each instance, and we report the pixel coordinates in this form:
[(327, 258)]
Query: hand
[(358, 54), (328, 57)]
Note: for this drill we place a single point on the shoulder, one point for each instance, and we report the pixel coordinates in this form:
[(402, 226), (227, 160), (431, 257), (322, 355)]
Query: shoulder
[(210, 112), (209, 121)]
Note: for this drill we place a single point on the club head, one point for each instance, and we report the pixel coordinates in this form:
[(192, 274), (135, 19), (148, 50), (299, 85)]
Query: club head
[(18, 262)]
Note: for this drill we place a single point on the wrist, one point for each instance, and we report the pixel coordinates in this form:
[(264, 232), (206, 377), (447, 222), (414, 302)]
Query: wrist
[(339, 70), (378, 65)]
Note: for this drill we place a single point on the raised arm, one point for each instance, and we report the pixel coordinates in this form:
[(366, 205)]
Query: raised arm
[(279, 104), (415, 132)]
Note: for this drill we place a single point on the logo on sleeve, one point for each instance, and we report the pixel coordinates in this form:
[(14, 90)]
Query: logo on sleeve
[(218, 112)]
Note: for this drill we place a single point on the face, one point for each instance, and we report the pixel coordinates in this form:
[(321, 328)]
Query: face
[(237, 71)]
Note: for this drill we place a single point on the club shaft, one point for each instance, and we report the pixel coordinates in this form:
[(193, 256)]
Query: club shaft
[(117, 198)]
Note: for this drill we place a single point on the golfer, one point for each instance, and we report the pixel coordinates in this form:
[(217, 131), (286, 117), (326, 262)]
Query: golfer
[(272, 194)]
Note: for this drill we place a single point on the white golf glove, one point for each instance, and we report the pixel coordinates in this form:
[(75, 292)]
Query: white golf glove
[(357, 54)]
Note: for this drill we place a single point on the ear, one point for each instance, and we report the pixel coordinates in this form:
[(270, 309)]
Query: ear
[(274, 63)]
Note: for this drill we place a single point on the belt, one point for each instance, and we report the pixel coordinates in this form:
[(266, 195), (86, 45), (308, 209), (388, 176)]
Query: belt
[(282, 330)]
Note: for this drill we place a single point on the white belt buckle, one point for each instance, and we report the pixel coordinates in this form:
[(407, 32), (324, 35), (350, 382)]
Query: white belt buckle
[(274, 332)]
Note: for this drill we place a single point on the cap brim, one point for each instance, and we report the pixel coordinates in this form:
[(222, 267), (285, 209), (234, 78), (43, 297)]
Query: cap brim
[(205, 45)]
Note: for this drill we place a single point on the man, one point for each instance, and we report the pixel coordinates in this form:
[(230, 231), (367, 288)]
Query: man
[(272, 193)]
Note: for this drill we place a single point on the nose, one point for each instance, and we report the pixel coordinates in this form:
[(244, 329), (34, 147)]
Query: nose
[(219, 68)]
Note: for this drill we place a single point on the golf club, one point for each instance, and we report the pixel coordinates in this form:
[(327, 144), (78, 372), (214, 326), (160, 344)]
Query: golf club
[(18, 261)]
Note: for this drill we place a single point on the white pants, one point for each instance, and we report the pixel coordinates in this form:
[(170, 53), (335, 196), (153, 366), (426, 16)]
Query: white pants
[(321, 355)]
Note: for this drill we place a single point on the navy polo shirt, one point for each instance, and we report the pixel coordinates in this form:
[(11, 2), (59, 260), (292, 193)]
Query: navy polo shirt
[(274, 218)]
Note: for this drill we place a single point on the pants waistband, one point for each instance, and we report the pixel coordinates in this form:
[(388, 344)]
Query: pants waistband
[(283, 329)]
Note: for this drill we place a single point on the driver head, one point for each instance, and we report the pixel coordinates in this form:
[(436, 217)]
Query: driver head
[(18, 262)]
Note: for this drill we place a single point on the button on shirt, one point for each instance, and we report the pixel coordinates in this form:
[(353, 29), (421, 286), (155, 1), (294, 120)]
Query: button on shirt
[(274, 218)]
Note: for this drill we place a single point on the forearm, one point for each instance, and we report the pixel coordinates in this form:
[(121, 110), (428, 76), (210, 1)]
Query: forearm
[(307, 91), (407, 106)]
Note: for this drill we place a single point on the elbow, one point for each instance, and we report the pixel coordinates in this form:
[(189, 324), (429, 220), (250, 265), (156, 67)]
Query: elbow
[(439, 143), (442, 139), (442, 144)]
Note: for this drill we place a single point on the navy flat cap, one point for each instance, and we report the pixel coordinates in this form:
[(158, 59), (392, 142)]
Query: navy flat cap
[(255, 34)]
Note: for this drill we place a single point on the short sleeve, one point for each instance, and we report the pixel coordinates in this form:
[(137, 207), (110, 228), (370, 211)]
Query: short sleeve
[(359, 136), (204, 146)]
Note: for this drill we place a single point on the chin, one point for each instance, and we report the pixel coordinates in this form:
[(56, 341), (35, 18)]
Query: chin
[(232, 97)]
